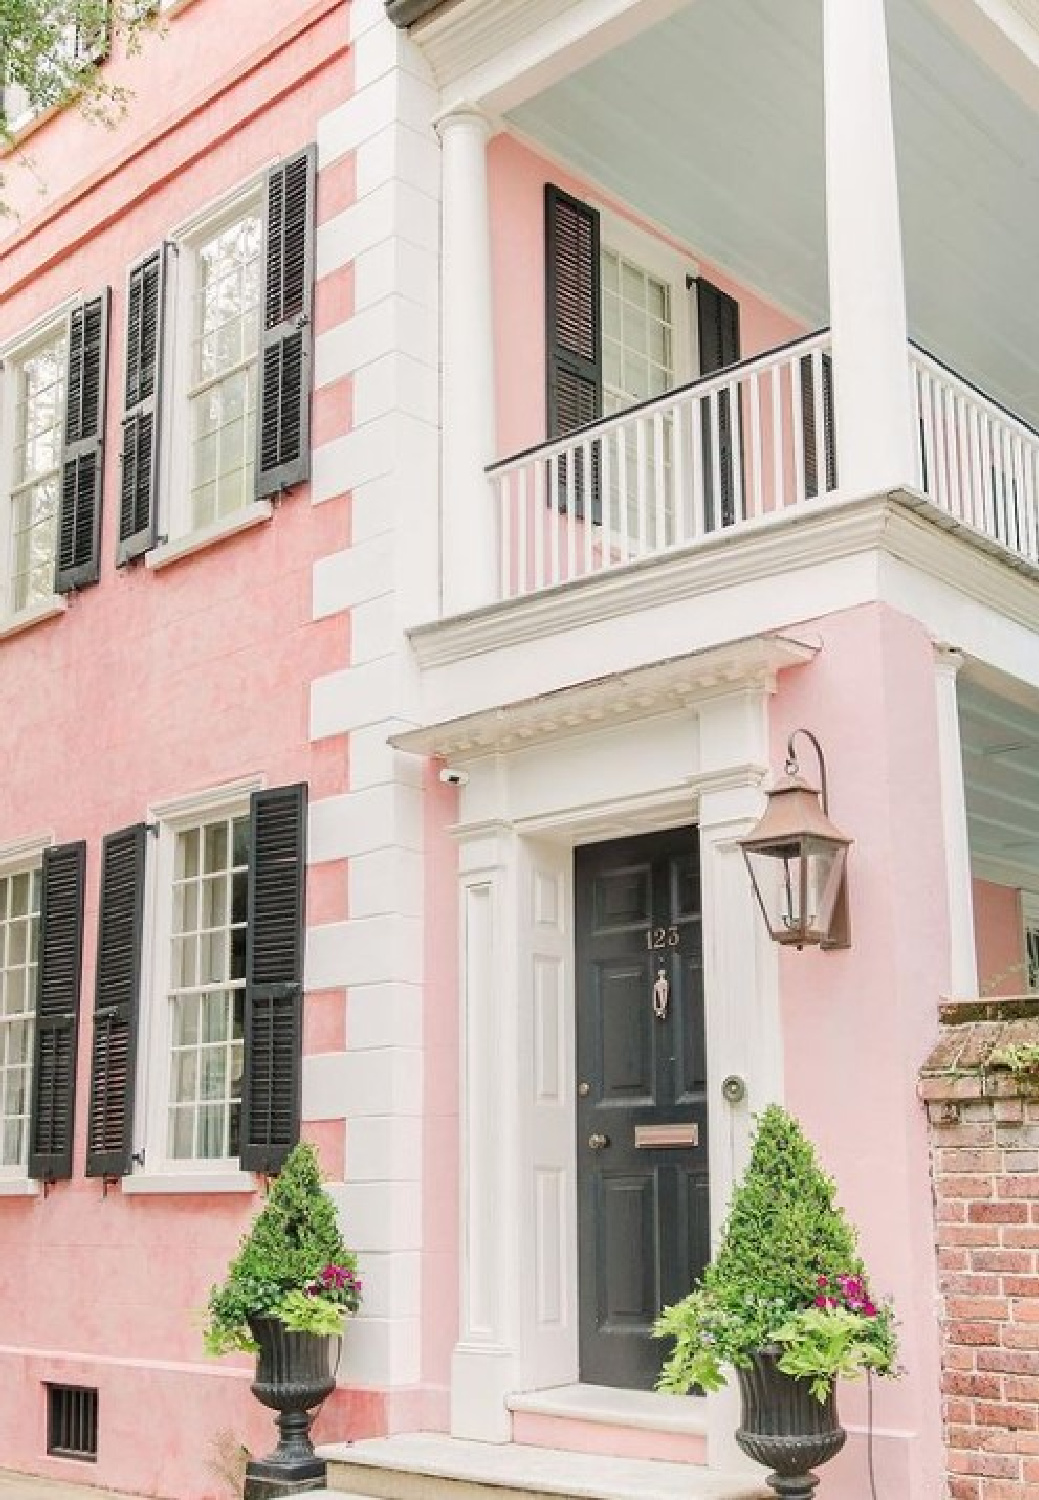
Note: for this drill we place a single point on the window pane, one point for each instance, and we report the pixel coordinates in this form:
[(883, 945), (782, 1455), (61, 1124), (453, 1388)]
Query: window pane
[(19, 940)]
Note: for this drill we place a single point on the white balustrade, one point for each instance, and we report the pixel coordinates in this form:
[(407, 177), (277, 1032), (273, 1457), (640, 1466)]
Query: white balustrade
[(731, 451), (976, 461)]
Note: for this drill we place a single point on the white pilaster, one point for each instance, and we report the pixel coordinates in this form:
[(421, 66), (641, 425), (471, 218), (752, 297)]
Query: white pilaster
[(963, 962), (875, 429), (486, 1362), (467, 391)]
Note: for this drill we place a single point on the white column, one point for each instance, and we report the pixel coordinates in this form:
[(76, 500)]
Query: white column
[(468, 541), (874, 410), (963, 962)]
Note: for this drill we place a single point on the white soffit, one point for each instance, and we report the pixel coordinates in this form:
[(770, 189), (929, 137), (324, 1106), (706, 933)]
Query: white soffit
[(616, 698), (1000, 742)]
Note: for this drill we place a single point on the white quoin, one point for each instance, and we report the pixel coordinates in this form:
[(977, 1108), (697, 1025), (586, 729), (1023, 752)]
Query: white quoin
[(866, 273), (468, 539)]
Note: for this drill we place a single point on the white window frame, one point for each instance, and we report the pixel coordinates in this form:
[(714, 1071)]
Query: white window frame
[(153, 1170), (175, 521), (666, 263), (1029, 923), (19, 858), (12, 356)]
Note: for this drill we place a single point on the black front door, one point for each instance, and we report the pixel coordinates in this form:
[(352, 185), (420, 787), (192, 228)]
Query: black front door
[(641, 1096)]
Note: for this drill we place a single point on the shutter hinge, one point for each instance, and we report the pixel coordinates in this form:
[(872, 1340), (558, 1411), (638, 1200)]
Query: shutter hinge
[(690, 281), (154, 829), (137, 1157)]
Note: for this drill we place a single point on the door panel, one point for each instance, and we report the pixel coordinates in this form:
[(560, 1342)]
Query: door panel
[(643, 1224)]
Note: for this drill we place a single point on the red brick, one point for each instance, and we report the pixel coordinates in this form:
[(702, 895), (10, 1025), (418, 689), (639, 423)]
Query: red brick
[(997, 1213), (967, 1308), (950, 1259), (1025, 1311), (1009, 1361), (971, 1383), (1015, 1335), (1005, 1414), (1005, 1489), (954, 1358), (963, 1437), (1018, 1387), (991, 1465), (970, 1284), (951, 1210), (1021, 1286), (1015, 1238), (960, 1136), (980, 1333), (1030, 1470), (974, 1234), (958, 1413), (1014, 1261), (969, 1185), (964, 1489), (1024, 1185), (953, 1160)]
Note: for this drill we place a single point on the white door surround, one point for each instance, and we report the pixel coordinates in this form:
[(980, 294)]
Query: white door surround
[(702, 759)]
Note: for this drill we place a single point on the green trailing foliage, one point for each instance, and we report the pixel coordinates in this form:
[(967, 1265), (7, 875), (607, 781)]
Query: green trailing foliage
[(1021, 1058), (787, 1273), (292, 1265)]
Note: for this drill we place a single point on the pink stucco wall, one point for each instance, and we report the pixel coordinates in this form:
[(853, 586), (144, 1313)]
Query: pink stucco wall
[(858, 1023), (155, 684), (516, 183), (999, 939)]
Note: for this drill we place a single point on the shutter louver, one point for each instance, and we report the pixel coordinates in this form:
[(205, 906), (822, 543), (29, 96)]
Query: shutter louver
[(718, 337), (573, 333), (52, 1112), (116, 997), (286, 332), (808, 426), (274, 978), (138, 488), (83, 448)]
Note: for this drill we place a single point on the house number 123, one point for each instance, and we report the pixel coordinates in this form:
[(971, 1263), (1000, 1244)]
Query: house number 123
[(662, 937)]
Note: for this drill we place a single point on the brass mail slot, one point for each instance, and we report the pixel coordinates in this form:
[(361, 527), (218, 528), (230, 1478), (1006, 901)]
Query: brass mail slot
[(650, 1136)]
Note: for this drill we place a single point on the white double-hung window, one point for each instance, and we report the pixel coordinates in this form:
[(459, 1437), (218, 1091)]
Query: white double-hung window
[(224, 279), (19, 949), (206, 990), (36, 407)]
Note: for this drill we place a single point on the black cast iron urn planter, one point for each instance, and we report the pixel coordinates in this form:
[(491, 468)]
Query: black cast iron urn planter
[(294, 1374), (785, 1427)]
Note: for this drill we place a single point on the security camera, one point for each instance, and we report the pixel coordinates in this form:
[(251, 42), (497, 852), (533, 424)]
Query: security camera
[(450, 777)]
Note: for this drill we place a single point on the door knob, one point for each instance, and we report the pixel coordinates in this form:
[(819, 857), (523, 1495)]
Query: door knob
[(598, 1141)]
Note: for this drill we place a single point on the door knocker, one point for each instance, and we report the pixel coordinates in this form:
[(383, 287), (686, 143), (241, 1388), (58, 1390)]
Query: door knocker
[(661, 995)]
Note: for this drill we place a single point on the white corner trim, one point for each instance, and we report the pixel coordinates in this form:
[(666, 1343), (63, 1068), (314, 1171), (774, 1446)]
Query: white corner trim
[(255, 514), (210, 799), (19, 1187), (155, 1183), (25, 619)]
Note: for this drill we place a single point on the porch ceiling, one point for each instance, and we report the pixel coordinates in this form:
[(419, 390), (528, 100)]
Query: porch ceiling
[(1000, 742), (710, 124)]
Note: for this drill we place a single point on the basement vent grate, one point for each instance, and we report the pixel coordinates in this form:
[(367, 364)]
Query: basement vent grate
[(72, 1421)]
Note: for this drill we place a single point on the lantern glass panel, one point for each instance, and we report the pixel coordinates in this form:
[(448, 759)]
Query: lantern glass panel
[(797, 882)]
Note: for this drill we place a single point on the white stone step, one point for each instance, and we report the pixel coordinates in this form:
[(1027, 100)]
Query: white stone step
[(431, 1466)]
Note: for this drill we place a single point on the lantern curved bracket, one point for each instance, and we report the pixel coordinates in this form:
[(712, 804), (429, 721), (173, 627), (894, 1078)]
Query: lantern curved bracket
[(793, 768)]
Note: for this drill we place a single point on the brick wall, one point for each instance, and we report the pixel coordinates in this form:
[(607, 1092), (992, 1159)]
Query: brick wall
[(984, 1126)]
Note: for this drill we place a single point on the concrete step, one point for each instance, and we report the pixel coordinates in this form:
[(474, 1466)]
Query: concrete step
[(431, 1466)]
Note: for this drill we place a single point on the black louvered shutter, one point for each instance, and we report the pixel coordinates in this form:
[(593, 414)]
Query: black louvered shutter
[(274, 977), (718, 336), (83, 447), (116, 998), (52, 1112), (286, 325), (811, 460), (138, 488), (573, 331)]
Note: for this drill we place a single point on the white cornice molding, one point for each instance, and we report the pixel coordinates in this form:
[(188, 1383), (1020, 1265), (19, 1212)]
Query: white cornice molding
[(618, 698), (801, 538)]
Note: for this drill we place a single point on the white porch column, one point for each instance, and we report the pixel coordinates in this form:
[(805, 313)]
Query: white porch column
[(874, 410), (468, 537), (963, 962)]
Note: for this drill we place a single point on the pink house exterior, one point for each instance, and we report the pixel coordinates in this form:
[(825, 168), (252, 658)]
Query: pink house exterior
[(517, 419)]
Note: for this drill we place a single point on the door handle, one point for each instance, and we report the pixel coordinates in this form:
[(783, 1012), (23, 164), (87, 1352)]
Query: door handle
[(597, 1141)]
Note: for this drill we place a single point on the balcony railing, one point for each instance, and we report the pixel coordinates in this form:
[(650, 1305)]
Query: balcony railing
[(723, 452), (740, 449), (977, 461)]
